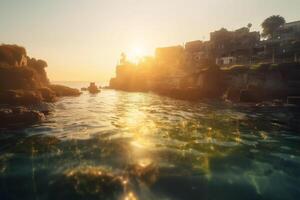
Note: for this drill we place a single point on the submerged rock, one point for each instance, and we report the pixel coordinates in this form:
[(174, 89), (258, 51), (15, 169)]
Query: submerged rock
[(145, 171), (37, 144), (19, 116), (87, 183)]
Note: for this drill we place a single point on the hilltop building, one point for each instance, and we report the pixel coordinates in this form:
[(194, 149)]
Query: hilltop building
[(285, 46), (230, 47), (226, 48), (197, 53), (169, 55), (289, 31)]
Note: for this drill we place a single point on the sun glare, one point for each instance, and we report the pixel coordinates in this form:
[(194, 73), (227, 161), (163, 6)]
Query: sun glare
[(135, 54)]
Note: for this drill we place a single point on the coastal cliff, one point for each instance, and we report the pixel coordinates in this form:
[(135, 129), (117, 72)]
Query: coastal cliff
[(253, 83), (262, 82), (238, 65), (25, 88)]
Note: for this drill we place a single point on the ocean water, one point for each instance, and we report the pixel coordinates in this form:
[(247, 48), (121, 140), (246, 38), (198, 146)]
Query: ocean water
[(120, 145)]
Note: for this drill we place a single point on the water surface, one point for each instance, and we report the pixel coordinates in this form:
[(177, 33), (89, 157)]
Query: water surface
[(119, 145)]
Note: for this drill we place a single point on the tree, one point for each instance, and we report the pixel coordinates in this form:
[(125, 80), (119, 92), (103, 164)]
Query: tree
[(271, 25)]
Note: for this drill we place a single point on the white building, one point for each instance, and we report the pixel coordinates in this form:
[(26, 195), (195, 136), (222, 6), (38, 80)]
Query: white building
[(289, 31), (230, 60)]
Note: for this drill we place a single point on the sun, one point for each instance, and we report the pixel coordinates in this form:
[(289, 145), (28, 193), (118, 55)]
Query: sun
[(135, 54)]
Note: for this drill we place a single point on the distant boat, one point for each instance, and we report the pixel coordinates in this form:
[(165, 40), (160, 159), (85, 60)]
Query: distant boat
[(93, 89)]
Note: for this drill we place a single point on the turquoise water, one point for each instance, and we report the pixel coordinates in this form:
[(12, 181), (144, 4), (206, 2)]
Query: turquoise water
[(119, 145)]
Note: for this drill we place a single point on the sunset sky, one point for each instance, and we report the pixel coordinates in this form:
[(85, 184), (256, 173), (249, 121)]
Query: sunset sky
[(82, 39)]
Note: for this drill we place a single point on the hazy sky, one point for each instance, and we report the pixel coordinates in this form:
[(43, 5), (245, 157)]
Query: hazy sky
[(82, 39)]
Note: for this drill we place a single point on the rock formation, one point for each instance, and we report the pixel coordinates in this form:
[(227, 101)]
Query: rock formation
[(19, 116), (93, 89), (255, 83), (24, 82)]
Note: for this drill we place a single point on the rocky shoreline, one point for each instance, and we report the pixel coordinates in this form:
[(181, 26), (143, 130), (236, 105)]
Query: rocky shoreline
[(26, 107), (26, 93), (243, 84)]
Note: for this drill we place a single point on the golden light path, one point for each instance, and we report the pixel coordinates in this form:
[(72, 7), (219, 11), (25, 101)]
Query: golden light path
[(128, 145)]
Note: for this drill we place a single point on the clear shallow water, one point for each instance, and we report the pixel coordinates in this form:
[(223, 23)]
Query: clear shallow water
[(119, 145)]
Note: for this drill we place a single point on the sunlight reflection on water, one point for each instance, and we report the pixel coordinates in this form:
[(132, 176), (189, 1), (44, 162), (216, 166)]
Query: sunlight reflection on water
[(119, 145)]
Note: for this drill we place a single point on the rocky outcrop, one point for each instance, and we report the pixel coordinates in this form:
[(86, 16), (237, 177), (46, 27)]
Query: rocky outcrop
[(47, 94), (27, 97), (20, 97), (12, 55), (256, 83), (61, 91), (39, 67), (24, 81), (93, 89), (263, 82), (18, 78)]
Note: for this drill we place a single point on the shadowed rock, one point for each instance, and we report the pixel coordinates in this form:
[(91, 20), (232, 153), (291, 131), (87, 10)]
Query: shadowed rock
[(24, 81), (19, 116), (61, 90), (93, 89), (47, 94), (18, 78), (20, 97)]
